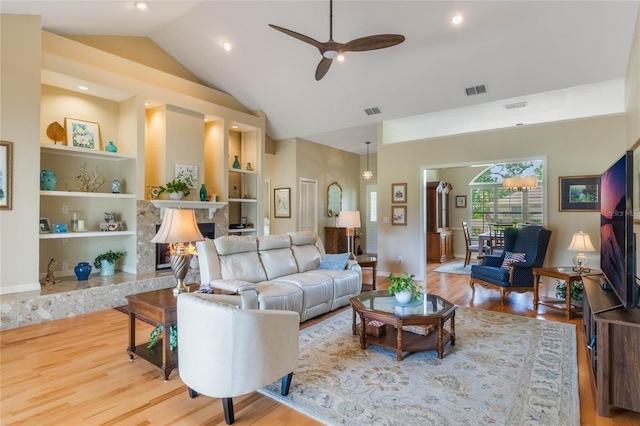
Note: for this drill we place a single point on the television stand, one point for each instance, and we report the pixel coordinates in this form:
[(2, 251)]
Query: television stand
[(613, 346)]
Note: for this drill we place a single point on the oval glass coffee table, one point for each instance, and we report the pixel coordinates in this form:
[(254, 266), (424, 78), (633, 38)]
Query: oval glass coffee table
[(382, 320)]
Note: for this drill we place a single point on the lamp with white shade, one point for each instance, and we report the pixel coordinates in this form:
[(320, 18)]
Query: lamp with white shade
[(520, 183), (350, 219), (179, 226), (581, 242)]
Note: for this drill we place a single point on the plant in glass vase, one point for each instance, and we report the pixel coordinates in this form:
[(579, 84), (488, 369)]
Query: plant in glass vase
[(403, 288)]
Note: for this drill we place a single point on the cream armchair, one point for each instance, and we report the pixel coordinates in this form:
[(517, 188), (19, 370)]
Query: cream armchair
[(225, 351)]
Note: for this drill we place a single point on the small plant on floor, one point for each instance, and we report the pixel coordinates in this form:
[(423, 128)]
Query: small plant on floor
[(402, 283), (157, 333), (110, 256), (577, 290)]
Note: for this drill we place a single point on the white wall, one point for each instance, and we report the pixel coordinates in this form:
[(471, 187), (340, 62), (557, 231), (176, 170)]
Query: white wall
[(579, 147), (20, 44)]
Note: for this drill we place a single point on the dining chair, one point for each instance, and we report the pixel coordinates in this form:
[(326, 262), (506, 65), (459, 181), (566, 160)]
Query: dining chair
[(471, 248), (496, 233)]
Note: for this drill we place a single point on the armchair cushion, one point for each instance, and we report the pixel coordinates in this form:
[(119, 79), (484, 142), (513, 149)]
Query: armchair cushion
[(336, 262), (510, 258)]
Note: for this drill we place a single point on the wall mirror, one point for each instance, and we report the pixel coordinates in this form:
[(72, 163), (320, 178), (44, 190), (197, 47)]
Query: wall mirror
[(334, 199)]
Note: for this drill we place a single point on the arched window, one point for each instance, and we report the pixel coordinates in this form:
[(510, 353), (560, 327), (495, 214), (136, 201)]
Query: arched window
[(490, 203)]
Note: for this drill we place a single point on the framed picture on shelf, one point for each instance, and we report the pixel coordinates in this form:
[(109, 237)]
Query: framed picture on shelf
[(399, 215), (82, 134), (45, 226), (398, 192), (579, 193), (59, 228), (461, 201), (6, 175), (282, 202)]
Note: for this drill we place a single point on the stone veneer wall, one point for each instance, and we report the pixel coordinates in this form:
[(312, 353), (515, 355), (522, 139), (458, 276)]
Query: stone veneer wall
[(148, 216)]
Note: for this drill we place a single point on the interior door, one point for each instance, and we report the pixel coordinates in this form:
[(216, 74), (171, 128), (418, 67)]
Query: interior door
[(371, 223), (308, 205)]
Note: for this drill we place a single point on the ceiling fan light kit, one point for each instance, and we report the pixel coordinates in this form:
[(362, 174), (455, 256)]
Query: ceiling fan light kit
[(331, 50)]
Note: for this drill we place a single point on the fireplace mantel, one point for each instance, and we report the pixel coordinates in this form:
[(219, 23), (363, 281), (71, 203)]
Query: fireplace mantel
[(183, 204)]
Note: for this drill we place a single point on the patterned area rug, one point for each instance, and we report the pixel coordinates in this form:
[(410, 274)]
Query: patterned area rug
[(503, 370), (456, 267)]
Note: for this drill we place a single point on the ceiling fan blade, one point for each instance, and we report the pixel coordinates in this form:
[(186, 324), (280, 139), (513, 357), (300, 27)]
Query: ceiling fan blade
[(323, 67), (300, 37), (373, 42)]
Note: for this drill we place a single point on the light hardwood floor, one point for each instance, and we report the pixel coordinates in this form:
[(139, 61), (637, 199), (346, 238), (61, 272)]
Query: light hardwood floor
[(76, 371)]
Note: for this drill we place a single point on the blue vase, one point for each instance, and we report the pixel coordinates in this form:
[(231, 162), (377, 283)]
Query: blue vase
[(48, 180), (236, 163), (82, 270), (111, 147)]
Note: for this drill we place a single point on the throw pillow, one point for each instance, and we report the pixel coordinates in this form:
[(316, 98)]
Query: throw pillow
[(334, 261), (511, 258)]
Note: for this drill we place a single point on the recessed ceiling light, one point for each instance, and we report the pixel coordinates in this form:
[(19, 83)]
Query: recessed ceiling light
[(340, 58), (83, 88), (234, 127), (457, 19), (227, 46), (146, 104), (140, 5)]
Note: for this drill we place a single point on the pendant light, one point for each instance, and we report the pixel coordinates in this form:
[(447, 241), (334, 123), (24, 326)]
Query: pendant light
[(367, 174)]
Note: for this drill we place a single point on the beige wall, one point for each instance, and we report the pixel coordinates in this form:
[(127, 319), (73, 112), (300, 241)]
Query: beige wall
[(578, 147), (19, 118), (632, 89)]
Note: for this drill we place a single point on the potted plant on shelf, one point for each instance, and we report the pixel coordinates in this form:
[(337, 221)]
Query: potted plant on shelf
[(106, 262), (177, 189), (403, 288), (577, 291)]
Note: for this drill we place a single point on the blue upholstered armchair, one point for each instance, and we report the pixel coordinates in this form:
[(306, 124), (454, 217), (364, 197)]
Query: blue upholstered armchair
[(517, 275)]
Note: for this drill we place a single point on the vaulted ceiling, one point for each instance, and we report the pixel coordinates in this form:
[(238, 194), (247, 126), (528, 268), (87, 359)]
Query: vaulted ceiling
[(563, 59)]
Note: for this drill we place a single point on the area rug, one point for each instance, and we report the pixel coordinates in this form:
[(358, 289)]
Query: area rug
[(456, 267), (503, 370)]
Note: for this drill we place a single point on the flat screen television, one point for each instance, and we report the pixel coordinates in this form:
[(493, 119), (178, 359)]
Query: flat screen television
[(617, 242)]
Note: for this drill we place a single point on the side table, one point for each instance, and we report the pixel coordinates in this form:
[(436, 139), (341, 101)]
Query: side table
[(159, 306), (369, 262), (568, 275)]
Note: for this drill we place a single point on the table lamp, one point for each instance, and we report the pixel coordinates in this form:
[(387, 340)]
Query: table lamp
[(350, 219), (179, 226), (581, 242)]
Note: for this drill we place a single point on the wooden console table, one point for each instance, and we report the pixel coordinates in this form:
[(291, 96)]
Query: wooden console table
[(159, 306), (568, 275)]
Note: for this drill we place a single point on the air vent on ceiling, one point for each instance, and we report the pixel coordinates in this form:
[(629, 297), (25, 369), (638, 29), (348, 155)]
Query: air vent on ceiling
[(516, 105), (476, 90), (373, 110)]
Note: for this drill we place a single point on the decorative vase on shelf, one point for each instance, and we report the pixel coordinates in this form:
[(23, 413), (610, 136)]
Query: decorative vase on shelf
[(82, 270), (111, 147), (48, 180), (236, 163), (107, 268), (203, 193), (115, 186)]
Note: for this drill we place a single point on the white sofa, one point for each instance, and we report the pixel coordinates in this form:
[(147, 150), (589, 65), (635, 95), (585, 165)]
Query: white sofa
[(283, 269)]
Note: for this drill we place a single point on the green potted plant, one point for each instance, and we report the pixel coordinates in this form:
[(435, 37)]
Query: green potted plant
[(403, 288), (577, 290), (106, 261), (177, 187)]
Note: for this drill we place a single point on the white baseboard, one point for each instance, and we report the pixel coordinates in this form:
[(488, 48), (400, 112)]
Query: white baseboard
[(20, 288)]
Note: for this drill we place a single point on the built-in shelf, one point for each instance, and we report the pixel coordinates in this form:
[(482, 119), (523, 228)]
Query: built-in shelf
[(243, 200), (60, 235), (251, 172), (182, 204), (82, 152), (85, 194), (243, 230)]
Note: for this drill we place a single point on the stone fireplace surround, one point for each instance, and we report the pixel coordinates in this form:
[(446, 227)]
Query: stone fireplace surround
[(71, 297)]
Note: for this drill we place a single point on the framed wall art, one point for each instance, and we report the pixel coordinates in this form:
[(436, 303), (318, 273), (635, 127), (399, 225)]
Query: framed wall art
[(282, 202), (82, 134), (461, 201), (579, 193), (398, 192), (6, 175), (187, 174), (399, 215), (45, 225)]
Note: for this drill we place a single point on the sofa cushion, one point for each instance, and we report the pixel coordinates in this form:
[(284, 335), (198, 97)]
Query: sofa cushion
[(317, 292), (302, 238), (276, 256), (346, 284), (283, 296), (336, 262), (242, 266), (235, 244)]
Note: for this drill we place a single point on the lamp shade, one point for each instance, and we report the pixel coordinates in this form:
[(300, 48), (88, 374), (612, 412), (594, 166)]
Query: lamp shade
[(581, 242), (178, 226), (520, 183), (349, 219)]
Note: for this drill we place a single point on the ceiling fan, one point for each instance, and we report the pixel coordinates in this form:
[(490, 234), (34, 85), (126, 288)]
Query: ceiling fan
[(330, 50)]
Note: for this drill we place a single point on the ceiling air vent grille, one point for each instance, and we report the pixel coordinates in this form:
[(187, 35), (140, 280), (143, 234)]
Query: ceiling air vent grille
[(516, 105), (476, 90), (372, 111)]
